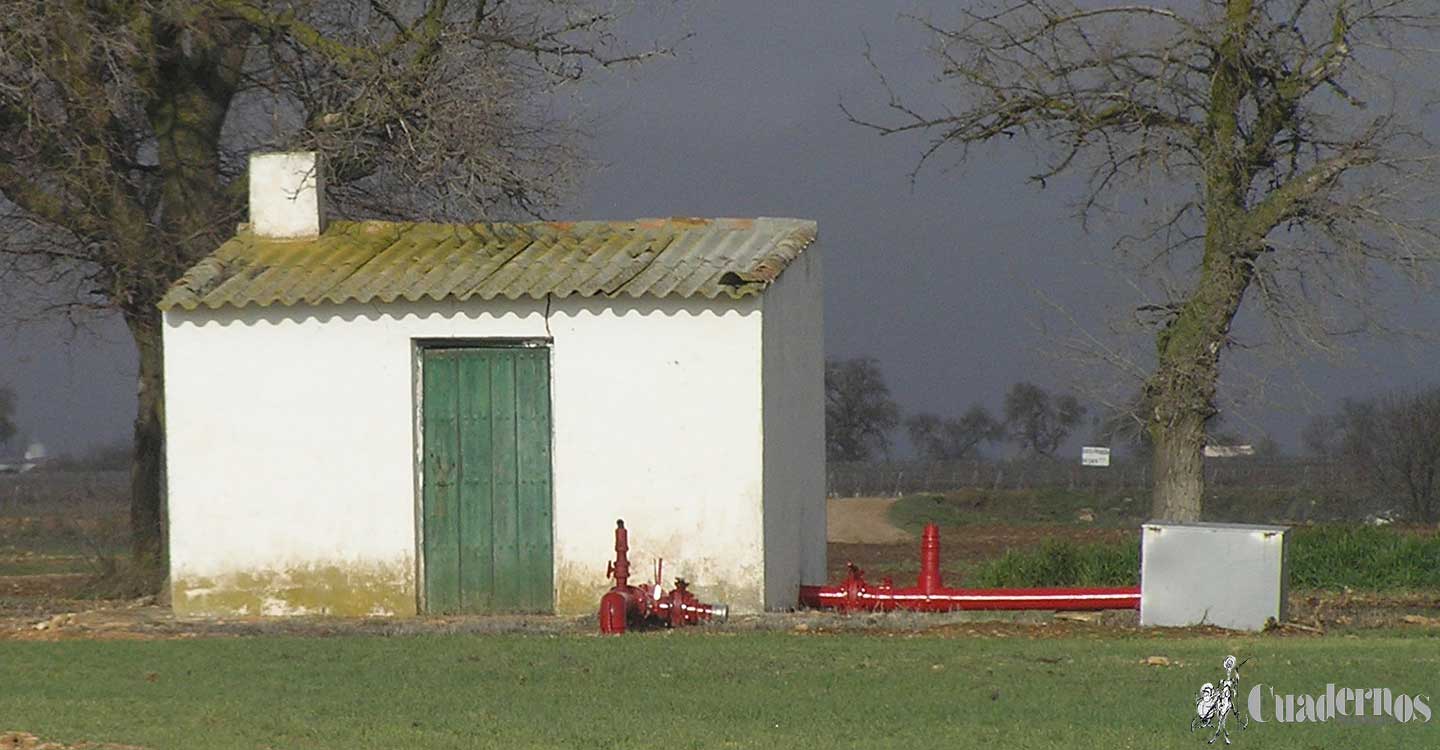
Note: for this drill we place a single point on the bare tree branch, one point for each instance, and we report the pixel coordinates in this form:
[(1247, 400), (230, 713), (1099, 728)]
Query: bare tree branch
[(1285, 152), (124, 128)]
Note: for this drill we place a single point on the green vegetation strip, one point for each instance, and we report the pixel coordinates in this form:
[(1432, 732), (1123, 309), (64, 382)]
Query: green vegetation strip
[(1361, 558), (1364, 558), (1022, 507), (1058, 563), (686, 689), (31, 565)]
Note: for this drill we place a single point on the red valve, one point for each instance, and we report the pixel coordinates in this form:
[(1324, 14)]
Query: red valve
[(625, 606)]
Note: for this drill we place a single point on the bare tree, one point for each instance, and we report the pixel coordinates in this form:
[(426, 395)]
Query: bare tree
[(7, 415), (1124, 423), (859, 413), (124, 128), (1272, 134), (1038, 422), (1267, 448), (953, 439), (1321, 437), (1394, 441)]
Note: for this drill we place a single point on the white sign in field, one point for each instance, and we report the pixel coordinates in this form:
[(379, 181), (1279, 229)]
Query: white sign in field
[(1092, 456), (1229, 451)]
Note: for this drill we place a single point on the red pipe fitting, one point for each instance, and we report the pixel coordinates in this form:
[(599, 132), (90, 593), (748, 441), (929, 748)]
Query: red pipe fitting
[(930, 594), (625, 606), (929, 580), (680, 607)]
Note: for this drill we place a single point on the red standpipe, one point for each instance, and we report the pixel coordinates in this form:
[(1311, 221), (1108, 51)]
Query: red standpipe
[(929, 593), (623, 602), (625, 606)]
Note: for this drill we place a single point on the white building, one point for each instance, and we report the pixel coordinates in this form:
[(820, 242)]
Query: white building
[(392, 418)]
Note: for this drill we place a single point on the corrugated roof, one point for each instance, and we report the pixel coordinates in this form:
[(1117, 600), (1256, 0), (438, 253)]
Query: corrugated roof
[(371, 261)]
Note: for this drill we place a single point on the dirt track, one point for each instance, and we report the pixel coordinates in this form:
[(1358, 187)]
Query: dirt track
[(862, 520)]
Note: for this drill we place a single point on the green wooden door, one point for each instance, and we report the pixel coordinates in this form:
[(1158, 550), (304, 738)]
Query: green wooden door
[(486, 495)]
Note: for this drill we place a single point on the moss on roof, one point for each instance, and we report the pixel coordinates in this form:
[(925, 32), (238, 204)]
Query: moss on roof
[(370, 261)]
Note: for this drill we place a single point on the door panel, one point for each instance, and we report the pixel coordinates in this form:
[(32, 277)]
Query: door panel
[(486, 519), (532, 450), (505, 502), (477, 565), (441, 519)]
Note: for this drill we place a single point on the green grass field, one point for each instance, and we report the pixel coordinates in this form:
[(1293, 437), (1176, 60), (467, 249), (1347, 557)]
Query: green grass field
[(687, 689)]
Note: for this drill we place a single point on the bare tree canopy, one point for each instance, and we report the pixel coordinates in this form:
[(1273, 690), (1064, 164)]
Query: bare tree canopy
[(955, 438), (124, 128), (1393, 442), (1125, 424), (1273, 142), (859, 413), (7, 415), (1039, 421), (1334, 437)]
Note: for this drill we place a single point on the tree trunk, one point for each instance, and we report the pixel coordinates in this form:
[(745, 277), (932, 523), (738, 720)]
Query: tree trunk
[(192, 98), (1182, 390), (147, 470), (1179, 470)]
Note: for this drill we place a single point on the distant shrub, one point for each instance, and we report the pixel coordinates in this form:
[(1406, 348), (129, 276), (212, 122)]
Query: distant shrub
[(912, 512), (1060, 563), (109, 456), (1364, 557), (1047, 505), (1324, 557)]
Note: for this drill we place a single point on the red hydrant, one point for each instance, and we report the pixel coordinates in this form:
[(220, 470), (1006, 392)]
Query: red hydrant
[(630, 606)]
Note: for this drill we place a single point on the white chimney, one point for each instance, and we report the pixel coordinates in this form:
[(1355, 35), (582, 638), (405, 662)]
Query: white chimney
[(285, 195)]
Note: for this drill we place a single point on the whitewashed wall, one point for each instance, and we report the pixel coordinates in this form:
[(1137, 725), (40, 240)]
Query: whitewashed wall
[(793, 349), (291, 447)]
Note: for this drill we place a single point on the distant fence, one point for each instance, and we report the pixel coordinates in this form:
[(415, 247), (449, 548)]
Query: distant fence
[(44, 490), (907, 477)]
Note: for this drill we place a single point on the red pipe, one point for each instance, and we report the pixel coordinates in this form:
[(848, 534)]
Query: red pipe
[(929, 593)]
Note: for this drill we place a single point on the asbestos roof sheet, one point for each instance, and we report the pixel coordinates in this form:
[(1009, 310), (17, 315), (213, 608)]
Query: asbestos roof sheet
[(371, 261)]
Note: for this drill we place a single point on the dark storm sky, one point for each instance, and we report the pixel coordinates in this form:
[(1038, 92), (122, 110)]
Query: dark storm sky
[(942, 281)]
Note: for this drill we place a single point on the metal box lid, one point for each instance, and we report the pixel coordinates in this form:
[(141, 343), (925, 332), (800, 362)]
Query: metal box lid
[(1162, 525)]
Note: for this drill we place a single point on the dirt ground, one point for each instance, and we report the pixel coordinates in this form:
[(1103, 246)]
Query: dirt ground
[(27, 741), (862, 520), (142, 619)]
